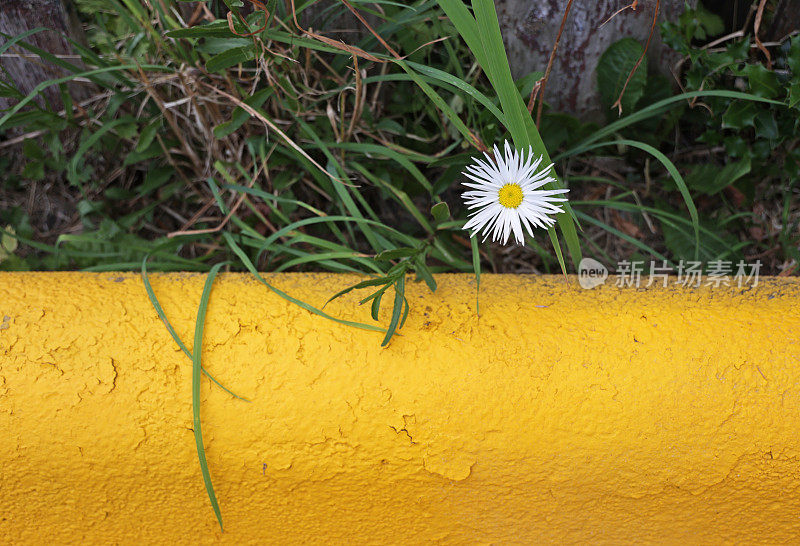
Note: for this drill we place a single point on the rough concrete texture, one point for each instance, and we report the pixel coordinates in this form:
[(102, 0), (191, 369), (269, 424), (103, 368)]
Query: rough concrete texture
[(558, 415), (530, 30)]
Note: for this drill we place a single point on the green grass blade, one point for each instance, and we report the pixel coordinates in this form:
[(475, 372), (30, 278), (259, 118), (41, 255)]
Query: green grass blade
[(160, 311), (438, 101), (196, 368), (676, 176), (399, 296), (635, 242), (476, 267), (252, 269), (656, 109)]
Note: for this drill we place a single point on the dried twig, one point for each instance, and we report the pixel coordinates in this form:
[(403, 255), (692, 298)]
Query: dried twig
[(334, 43), (540, 91), (372, 31), (756, 27), (266, 121), (476, 141), (168, 115), (618, 103), (358, 106), (225, 220), (632, 6), (259, 6)]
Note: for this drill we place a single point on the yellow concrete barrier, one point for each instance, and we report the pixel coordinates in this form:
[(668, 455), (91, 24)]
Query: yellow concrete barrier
[(558, 415)]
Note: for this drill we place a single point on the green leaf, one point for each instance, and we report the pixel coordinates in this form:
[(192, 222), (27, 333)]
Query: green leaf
[(229, 58), (399, 297), (8, 242), (148, 134), (240, 115), (213, 45), (440, 212), (376, 304), (217, 29), (396, 253), (154, 179), (613, 69), (739, 115), (763, 82), (711, 179), (426, 275), (699, 23), (766, 126), (196, 368), (794, 95), (793, 58), (363, 284)]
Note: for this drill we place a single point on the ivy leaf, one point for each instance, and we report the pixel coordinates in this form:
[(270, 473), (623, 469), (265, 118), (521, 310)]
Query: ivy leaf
[(710, 179), (740, 114), (793, 59), (794, 95), (613, 69), (766, 126), (699, 23), (763, 82)]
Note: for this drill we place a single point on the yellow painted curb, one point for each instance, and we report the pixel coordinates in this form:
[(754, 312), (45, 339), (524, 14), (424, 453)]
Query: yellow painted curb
[(558, 415)]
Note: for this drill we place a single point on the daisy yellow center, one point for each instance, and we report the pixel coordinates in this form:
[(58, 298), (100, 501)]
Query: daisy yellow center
[(510, 196)]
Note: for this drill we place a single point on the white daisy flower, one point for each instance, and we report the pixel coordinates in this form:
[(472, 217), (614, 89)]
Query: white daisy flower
[(506, 195)]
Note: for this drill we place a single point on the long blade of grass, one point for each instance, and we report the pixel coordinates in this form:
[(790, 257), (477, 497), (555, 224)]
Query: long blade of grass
[(624, 236), (196, 368), (655, 109), (160, 311), (676, 176), (476, 267), (399, 295), (252, 269), (438, 101)]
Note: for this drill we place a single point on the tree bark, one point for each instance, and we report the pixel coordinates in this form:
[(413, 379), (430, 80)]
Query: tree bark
[(28, 70), (530, 29), (785, 20)]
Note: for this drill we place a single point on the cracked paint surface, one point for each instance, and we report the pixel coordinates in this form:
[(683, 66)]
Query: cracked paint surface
[(557, 415)]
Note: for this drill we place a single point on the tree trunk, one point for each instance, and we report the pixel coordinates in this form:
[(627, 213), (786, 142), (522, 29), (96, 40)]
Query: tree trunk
[(28, 70), (530, 29), (785, 20)]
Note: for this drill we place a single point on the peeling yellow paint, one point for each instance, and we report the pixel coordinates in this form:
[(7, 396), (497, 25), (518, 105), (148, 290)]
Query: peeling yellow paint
[(558, 415)]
